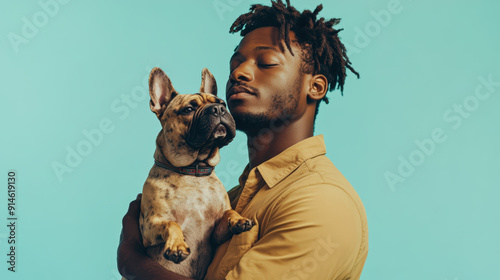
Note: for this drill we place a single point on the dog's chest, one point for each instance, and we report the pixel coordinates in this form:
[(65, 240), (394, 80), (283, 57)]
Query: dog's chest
[(196, 204)]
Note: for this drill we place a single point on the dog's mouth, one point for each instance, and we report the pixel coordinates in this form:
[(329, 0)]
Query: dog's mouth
[(210, 130), (219, 132), (220, 136)]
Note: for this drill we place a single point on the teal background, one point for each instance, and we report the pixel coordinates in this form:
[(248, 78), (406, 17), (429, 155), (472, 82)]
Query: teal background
[(441, 222)]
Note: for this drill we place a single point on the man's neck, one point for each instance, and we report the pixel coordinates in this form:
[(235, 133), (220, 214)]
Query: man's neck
[(268, 143)]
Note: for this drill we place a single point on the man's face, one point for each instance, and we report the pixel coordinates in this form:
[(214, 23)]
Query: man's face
[(265, 82)]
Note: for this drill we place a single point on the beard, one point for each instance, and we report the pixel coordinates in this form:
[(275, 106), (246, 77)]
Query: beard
[(279, 113)]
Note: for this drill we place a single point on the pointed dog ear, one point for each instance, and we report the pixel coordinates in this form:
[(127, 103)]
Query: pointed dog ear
[(161, 91), (208, 84)]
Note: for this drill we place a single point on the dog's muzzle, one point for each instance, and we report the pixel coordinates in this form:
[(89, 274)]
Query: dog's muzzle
[(212, 124)]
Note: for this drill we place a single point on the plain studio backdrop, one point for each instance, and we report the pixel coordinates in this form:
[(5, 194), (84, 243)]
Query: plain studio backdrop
[(417, 136)]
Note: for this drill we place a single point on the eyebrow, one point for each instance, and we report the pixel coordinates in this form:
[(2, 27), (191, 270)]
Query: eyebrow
[(257, 49), (266, 48)]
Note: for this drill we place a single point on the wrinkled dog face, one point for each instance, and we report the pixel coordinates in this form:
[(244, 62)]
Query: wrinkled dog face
[(194, 126)]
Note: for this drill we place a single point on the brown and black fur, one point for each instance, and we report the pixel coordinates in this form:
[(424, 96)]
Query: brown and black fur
[(184, 217)]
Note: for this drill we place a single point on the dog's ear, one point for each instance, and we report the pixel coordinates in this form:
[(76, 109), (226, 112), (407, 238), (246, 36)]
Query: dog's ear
[(208, 84), (161, 91)]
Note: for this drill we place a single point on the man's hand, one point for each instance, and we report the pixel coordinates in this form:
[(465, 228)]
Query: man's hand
[(130, 246), (133, 261)]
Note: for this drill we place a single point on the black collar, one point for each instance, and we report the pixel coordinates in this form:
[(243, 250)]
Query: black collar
[(194, 170)]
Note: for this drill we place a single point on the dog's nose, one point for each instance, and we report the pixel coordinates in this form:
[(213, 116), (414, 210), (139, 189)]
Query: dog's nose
[(218, 110)]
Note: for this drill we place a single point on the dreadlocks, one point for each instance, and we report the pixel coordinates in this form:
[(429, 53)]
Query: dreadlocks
[(322, 51)]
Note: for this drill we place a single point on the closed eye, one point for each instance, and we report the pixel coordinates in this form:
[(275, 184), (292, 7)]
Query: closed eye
[(268, 65)]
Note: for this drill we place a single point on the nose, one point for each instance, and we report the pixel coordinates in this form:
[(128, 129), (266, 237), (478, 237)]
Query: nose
[(217, 110), (242, 73)]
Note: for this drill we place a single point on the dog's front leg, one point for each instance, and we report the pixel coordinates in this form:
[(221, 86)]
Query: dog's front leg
[(157, 232), (230, 223)]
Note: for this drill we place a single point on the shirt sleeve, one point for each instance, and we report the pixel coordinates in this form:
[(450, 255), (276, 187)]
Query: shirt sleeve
[(313, 232)]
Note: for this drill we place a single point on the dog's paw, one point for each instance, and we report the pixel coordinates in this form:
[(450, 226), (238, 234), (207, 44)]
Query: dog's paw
[(240, 225), (177, 253)]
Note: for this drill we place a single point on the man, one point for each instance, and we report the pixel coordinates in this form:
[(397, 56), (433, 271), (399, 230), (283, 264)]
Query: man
[(310, 223)]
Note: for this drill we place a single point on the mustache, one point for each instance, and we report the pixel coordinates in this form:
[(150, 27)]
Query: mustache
[(243, 84)]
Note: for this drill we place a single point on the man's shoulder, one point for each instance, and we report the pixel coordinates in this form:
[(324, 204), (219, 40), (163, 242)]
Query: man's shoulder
[(318, 170), (320, 191), (318, 177)]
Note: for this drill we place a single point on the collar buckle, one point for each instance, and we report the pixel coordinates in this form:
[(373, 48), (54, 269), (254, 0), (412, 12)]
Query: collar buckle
[(197, 172)]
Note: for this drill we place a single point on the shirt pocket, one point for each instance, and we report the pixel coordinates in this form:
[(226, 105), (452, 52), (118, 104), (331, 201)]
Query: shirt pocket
[(237, 247)]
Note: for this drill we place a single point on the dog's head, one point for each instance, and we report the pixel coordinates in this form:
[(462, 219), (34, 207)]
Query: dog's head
[(194, 126)]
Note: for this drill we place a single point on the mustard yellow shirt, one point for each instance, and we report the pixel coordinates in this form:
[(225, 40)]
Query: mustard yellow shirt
[(310, 222)]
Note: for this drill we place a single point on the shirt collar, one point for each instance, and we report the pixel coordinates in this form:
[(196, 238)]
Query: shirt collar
[(280, 166)]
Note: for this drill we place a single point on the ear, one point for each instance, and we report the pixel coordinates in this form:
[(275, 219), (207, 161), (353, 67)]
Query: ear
[(161, 91), (318, 87), (208, 84)]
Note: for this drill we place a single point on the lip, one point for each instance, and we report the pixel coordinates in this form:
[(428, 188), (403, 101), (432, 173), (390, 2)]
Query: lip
[(237, 92), (239, 95)]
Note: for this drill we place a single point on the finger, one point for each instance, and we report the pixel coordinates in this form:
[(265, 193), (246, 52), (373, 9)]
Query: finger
[(130, 222), (132, 215), (134, 208)]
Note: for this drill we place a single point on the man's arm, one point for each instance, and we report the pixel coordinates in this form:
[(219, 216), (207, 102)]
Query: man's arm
[(313, 233), (133, 261)]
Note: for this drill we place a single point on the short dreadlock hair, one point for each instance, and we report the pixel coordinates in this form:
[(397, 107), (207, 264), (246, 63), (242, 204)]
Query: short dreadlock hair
[(322, 51)]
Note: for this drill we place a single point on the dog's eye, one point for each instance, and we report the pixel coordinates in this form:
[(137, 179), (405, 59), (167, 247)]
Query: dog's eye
[(188, 110)]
